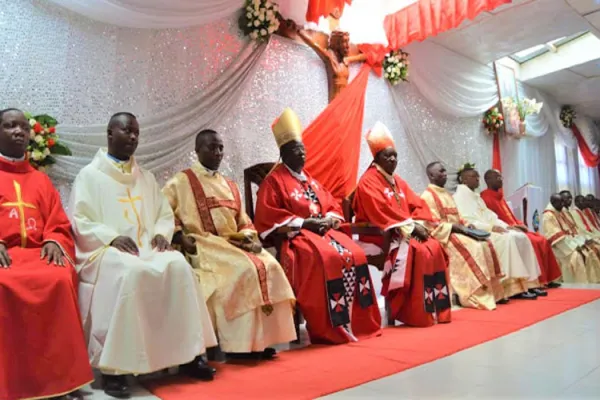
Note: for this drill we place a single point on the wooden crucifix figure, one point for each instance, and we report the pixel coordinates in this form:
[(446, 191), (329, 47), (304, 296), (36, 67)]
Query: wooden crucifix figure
[(336, 56)]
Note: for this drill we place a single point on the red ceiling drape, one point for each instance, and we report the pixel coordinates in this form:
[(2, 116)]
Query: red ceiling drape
[(427, 18), (323, 8), (332, 140)]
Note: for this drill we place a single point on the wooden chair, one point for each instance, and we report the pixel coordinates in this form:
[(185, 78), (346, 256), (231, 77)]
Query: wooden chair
[(255, 175), (367, 229)]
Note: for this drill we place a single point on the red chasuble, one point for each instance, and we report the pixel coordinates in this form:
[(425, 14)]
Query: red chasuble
[(424, 291), (543, 248), (42, 349), (329, 273)]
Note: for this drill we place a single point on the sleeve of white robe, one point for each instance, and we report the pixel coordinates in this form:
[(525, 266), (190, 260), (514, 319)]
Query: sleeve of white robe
[(90, 232)]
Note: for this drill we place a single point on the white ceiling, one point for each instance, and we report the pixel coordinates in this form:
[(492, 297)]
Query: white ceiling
[(526, 23)]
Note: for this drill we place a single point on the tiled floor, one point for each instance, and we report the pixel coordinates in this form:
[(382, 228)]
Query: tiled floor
[(558, 358)]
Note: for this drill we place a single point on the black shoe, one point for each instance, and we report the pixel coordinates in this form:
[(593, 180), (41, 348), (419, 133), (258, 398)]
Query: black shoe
[(502, 301), (554, 285), (75, 395), (538, 292), (116, 386), (199, 369), (525, 296), (267, 354)]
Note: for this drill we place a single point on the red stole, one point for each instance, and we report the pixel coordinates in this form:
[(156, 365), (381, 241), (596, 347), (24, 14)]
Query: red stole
[(495, 201), (379, 202)]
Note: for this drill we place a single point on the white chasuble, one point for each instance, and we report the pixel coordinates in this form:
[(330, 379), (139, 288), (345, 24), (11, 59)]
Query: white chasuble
[(140, 313), (515, 252)]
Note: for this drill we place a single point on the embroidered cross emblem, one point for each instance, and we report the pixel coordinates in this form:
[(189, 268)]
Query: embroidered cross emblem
[(428, 295), (364, 286), (20, 206), (131, 201), (296, 195), (337, 302), (388, 193), (443, 291)]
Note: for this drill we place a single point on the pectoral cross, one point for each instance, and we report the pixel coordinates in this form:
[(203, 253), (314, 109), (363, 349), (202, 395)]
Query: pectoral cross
[(21, 206), (131, 201)]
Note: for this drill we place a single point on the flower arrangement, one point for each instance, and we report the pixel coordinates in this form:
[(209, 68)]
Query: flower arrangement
[(465, 167), (493, 120), (43, 142), (567, 116), (259, 19), (523, 107), (395, 66)]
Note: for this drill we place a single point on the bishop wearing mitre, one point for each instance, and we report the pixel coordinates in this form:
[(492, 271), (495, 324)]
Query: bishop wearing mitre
[(415, 280), (328, 271)]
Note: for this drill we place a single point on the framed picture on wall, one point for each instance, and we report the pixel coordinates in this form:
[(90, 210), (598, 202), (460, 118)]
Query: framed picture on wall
[(506, 78)]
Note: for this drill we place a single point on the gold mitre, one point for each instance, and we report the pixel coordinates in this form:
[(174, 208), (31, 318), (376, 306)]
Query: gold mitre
[(287, 128), (379, 138)]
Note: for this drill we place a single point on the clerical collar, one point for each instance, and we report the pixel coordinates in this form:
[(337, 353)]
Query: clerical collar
[(115, 159), (12, 159), (437, 188), (207, 171), (387, 176), (300, 176)]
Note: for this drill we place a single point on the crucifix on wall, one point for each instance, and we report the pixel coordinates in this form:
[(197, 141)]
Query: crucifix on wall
[(334, 50)]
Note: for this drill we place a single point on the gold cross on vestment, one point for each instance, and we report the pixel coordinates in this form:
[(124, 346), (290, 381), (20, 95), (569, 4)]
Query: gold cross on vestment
[(21, 206), (131, 201)]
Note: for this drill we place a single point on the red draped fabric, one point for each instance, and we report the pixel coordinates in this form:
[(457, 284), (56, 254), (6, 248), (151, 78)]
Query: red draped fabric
[(427, 18), (496, 160), (323, 8), (333, 139), (591, 159)]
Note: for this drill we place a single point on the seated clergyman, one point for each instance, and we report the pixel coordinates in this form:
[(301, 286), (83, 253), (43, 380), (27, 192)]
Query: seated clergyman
[(139, 300), (517, 257), (42, 348), (475, 269), (578, 261), (328, 271), (415, 280), (246, 290)]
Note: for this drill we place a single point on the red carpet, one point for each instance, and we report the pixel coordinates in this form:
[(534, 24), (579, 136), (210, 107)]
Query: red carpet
[(318, 370)]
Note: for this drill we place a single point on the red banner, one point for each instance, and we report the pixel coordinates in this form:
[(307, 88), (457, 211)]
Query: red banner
[(333, 139)]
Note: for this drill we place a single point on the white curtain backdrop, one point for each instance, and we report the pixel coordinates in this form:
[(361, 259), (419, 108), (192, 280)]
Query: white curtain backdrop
[(453, 83), (153, 13), (363, 19), (167, 136), (548, 120), (589, 130)]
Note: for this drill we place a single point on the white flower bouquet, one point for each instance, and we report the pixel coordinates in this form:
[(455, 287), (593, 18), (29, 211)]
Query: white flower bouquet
[(395, 67), (523, 107), (567, 116), (259, 19)]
